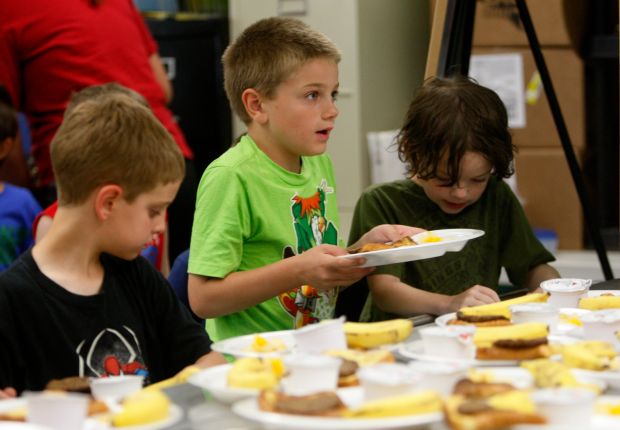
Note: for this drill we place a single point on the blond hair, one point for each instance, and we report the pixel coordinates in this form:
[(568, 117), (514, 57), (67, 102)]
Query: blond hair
[(267, 53), (112, 139)]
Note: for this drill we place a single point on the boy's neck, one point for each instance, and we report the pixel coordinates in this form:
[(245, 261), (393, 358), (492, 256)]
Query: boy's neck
[(265, 142), (68, 256)]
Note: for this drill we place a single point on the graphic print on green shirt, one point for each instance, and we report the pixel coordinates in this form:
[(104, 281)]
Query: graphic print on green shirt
[(311, 229)]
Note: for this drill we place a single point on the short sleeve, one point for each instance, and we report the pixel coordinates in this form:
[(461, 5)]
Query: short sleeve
[(221, 223)]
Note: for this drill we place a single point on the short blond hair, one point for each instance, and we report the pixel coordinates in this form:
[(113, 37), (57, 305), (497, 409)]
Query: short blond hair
[(267, 53), (113, 139)]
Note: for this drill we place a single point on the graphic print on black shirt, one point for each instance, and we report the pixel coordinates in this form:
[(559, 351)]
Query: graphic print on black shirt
[(112, 352)]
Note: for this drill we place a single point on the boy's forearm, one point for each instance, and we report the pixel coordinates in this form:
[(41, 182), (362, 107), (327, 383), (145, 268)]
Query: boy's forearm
[(392, 295), (214, 297), (538, 274)]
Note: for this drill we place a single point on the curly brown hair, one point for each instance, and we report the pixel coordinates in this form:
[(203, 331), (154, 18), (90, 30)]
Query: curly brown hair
[(449, 117)]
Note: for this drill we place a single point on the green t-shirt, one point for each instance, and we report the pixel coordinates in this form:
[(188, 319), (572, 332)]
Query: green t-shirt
[(508, 242), (250, 212)]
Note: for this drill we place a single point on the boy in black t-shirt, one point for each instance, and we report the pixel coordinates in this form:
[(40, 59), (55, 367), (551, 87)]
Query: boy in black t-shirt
[(81, 302)]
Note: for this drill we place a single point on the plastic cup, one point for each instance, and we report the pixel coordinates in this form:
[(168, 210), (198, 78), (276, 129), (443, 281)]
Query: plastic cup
[(536, 312), (316, 338), (449, 342), (58, 410), (440, 377), (602, 325), (310, 374), (565, 292), (115, 388), (387, 380), (566, 406)]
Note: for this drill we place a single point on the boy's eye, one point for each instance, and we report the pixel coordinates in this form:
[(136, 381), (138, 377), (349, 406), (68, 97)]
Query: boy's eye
[(154, 212), (312, 95), (335, 95)]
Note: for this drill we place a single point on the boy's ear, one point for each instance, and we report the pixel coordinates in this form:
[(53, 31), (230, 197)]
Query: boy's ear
[(106, 198), (5, 147), (253, 103)]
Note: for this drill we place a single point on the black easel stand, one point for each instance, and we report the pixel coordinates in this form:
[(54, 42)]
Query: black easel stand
[(456, 51)]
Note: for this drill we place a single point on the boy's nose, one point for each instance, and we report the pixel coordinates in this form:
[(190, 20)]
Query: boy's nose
[(331, 111), (459, 191)]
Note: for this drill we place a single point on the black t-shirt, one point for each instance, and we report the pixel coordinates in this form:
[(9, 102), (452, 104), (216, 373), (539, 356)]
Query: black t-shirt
[(135, 324)]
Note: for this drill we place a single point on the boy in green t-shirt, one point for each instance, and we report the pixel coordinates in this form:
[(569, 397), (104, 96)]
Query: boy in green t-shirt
[(265, 239), (457, 146)]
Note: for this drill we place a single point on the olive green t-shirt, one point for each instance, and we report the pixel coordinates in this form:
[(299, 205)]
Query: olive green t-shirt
[(508, 241), (250, 212)]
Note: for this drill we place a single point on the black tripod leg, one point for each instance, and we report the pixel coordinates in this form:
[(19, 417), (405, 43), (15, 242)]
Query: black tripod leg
[(591, 222)]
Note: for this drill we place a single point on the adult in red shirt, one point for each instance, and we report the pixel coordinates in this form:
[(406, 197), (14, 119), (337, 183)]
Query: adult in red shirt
[(50, 49)]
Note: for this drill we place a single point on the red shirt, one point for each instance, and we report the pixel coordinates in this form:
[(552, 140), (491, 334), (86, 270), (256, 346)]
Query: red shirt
[(51, 48)]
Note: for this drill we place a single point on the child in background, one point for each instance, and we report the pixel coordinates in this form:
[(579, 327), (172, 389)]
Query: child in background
[(18, 206), (156, 251), (458, 148), (80, 303), (264, 247)]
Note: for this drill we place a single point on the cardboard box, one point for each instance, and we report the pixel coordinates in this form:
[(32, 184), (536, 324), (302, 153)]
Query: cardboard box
[(567, 76), (556, 23), (550, 198)]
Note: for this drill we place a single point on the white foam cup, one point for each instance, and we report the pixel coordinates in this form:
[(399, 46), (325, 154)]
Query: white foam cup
[(310, 374), (58, 410)]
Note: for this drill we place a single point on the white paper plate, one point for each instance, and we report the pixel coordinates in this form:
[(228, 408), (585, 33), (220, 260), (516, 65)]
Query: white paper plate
[(610, 377), (7, 425), (213, 380), (248, 408), (598, 421), (240, 346), (453, 240), (415, 351)]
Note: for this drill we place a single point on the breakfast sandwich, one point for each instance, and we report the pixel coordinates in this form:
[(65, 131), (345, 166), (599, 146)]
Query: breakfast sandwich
[(516, 342), (489, 406), (494, 314)]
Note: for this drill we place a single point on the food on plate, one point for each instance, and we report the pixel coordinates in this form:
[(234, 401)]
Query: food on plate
[(374, 334), (422, 402), (78, 384), (253, 372), (516, 342), (489, 406), (590, 355), (608, 407), (347, 374), (373, 246), (604, 301), (74, 384), (19, 413), (552, 374), (179, 378), (430, 237), (361, 358), (143, 407), (494, 314), (261, 344), (324, 403)]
